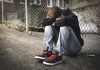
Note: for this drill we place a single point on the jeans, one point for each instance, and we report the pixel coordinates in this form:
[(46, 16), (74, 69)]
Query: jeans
[(65, 40)]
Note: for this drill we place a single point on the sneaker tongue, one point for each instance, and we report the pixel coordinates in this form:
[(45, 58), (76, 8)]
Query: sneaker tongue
[(45, 52), (56, 52)]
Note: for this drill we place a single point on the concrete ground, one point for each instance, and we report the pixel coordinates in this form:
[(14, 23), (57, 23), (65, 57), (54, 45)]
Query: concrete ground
[(17, 51)]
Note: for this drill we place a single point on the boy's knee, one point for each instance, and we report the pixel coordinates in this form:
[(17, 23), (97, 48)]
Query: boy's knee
[(48, 27), (64, 28)]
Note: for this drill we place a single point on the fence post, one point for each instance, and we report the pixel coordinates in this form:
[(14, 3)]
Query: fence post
[(2, 12), (26, 15)]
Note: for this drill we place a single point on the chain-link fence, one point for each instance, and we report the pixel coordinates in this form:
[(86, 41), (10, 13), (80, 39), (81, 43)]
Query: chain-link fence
[(86, 10), (89, 10), (36, 13), (12, 14)]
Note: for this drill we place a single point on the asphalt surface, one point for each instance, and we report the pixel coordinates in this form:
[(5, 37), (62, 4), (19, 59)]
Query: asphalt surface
[(17, 51)]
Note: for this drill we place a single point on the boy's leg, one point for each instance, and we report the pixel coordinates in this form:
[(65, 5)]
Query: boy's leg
[(50, 37), (74, 45), (62, 40), (48, 40), (67, 42)]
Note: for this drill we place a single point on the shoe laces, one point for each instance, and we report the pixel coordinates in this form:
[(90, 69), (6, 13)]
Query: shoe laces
[(52, 57)]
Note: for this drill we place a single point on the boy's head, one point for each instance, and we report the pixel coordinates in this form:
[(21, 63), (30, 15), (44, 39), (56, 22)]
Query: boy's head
[(54, 12)]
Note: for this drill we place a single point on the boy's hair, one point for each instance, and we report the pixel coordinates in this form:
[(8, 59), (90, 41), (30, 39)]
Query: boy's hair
[(54, 12)]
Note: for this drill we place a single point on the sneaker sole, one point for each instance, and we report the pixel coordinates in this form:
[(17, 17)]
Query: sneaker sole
[(52, 63), (37, 57)]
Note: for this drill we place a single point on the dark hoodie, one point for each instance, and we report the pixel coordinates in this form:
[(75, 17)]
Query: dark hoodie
[(48, 21), (68, 20)]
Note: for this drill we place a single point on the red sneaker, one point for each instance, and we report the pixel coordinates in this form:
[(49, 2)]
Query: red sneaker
[(53, 60), (44, 55)]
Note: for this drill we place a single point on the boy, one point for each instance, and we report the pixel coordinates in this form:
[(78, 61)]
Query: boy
[(64, 32)]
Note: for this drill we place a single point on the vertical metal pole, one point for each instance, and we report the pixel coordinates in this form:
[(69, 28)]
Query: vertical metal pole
[(51, 3), (2, 12), (58, 3), (26, 15)]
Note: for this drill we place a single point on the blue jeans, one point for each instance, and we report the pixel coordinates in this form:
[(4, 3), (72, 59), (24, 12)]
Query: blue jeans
[(65, 40)]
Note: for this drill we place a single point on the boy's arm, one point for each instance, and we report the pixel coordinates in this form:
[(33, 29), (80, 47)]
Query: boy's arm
[(59, 22), (47, 22), (70, 20)]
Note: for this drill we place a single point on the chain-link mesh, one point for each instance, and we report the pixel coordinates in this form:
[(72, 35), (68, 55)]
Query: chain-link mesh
[(86, 10), (14, 12), (36, 13), (13, 15), (90, 10)]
